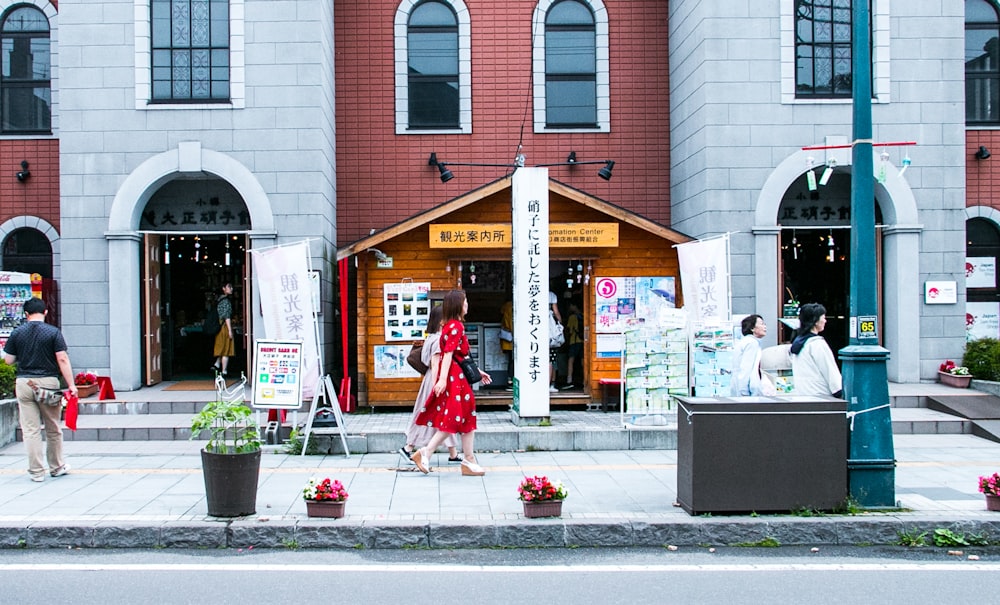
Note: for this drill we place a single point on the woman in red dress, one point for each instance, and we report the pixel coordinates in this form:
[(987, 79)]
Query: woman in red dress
[(451, 407)]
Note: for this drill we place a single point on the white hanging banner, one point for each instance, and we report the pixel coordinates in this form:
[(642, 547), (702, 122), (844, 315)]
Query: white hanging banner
[(286, 304), (530, 220), (705, 278)]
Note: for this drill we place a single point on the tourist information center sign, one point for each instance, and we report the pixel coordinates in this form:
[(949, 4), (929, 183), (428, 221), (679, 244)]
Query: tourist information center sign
[(498, 235)]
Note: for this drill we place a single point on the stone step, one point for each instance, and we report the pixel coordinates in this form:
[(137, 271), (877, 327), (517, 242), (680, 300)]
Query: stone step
[(570, 430)]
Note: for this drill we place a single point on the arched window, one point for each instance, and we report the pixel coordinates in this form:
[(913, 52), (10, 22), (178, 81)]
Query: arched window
[(570, 66), (433, 41), (25, 88), (432, 66), (27, 250), (982, 62), (982, 246)]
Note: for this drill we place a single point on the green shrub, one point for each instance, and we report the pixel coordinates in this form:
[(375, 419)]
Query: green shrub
[(982, 357), (6, 381)]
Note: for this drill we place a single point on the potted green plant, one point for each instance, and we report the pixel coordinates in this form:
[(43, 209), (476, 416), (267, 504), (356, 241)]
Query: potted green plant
[(231, 458), (325, 498), (954, 375), (990, 487), (541, 497)]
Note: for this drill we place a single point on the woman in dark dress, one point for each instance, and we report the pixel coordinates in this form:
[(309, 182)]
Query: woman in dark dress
[(451, 407)]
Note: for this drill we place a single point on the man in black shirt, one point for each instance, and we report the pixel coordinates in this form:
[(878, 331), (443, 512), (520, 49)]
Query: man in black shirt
[(39, 351)]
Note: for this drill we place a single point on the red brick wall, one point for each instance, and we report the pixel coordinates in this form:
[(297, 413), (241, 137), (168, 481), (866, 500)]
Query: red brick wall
[(39, 194), (383, 178)]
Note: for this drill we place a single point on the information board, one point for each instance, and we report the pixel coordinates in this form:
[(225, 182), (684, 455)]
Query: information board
[(277, 370)]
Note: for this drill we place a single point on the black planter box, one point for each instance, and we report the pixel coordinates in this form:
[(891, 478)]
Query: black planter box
[(761, 454)]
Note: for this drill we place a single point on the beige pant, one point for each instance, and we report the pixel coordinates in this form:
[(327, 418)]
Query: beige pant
[(32, 415)]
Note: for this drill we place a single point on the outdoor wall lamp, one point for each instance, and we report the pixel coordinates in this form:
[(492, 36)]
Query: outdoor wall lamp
[(23, 174), (983, 153)]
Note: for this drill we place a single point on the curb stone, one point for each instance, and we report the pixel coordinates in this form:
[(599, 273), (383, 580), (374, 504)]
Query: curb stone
[(534, 533)]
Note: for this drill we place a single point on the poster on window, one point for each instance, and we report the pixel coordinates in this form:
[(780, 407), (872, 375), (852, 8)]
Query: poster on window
[(620, 299), (980, 272), (982, 320), (407, 306)]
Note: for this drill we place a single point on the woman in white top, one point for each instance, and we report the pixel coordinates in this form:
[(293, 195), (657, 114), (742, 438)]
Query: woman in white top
[(814, 369), (746, 378), (418, 435)]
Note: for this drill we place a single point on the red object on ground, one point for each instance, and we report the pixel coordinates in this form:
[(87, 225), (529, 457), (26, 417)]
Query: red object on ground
[(72, 410), (105, 389)]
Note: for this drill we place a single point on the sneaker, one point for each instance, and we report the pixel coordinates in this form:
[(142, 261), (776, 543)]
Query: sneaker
[(567, 387), (553, 389), (62, 470), (38, 478), (455, 460), (405, 454)]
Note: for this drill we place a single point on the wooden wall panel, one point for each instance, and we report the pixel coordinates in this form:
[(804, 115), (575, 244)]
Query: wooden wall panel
[(639, 254)]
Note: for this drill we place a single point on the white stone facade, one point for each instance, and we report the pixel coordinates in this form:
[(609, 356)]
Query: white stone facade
[(274, 143), (737, 134)]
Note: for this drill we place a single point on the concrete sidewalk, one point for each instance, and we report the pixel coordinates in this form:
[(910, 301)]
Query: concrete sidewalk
[(151, 494)]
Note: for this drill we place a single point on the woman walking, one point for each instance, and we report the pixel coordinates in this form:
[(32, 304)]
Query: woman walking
[(813, 366), (420, 434), (451, 407), (224, 347)]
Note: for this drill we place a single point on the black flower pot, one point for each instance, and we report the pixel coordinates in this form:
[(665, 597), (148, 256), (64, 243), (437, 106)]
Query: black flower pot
[(231, 483)]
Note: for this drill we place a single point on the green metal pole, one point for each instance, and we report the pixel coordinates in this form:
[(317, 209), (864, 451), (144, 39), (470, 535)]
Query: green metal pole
[(871, 464)]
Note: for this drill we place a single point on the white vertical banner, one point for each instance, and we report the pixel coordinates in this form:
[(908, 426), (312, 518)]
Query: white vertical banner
[(705, 278), (530, 240), (287, 305)]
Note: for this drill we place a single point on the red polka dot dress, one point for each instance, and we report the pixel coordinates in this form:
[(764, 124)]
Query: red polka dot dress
[(454, 410)]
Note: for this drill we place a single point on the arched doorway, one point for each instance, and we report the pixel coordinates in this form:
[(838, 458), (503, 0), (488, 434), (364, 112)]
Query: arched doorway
[(899, 274), (27, 250), (127, 245), (816, 252), (196, 241), (982, 251)]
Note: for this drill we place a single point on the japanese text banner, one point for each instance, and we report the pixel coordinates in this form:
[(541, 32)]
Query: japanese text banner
[(705, 278), (286, 304)]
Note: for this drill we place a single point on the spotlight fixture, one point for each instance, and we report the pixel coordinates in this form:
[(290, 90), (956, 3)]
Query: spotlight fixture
[(983, 153), (446, 174), (605, 173), (23, 174)]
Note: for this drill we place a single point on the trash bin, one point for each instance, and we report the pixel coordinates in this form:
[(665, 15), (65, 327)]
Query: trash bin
[(761, 454)]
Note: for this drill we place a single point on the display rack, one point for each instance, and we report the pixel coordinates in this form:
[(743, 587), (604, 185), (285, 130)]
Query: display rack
[(711, 358), (654, 367), (15, 289)]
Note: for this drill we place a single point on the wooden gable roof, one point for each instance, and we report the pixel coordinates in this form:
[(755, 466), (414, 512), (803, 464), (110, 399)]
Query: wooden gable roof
[(471, 197)]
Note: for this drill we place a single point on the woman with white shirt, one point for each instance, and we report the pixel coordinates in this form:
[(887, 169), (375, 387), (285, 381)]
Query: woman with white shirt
[(813, 366), (746, 379)]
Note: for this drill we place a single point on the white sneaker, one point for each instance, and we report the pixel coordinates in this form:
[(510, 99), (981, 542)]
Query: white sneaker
[(553, 389), (38, 478), (62, 470)]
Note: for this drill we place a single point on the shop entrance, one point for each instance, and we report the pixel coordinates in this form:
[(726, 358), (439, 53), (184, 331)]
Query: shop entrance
[(183, 276), (488, 284)]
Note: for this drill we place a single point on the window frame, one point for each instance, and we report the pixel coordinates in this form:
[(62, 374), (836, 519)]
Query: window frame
[(10, 84), (402, 77), (880, 51), (601, 75), (171, 49), (991, 78), (142, 9)]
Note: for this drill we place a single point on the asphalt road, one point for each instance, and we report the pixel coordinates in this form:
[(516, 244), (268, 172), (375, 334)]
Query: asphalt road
[(523, 576)]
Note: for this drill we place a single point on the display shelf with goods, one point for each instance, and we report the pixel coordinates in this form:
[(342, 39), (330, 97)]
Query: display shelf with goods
[(15, 289), (654, 368), (711, 358)]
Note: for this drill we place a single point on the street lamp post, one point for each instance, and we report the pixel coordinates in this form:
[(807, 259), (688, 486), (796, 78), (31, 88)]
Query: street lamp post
[(871, 463)]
